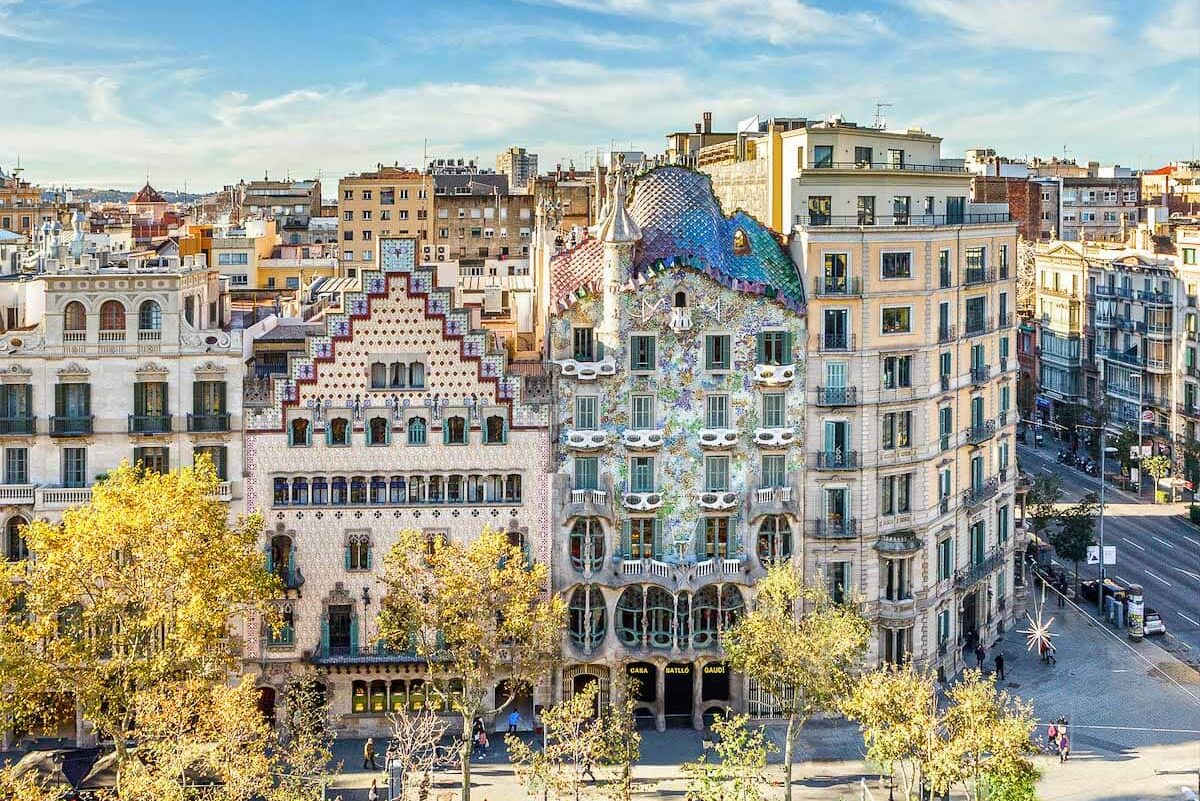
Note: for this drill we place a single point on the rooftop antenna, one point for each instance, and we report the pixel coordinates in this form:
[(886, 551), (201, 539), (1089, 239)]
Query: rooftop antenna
[(880, 121)]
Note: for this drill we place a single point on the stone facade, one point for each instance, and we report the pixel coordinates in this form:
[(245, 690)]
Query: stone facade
[(742, 185)]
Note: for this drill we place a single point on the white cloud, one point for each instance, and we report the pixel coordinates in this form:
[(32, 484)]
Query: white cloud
[(780, 22), (1174, 34), (1065, 26)]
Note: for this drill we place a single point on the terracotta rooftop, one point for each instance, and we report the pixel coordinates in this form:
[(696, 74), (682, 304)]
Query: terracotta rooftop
[(147, 194)]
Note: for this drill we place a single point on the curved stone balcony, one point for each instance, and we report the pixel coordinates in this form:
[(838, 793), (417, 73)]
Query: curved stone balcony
[(718, 439), (585, 440), (902, 610), (717, 501), (774, 375), (642, 501), (774, 437), (643, 439), (588, 371)]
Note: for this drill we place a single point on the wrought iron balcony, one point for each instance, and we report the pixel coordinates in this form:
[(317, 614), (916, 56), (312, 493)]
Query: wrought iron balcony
[(883, 221), (836, 343), (980, 432), (837, 460), (71, 426), (843, 287), (15, 426), (835, 528), (947, 333), (981, 373), (837, 396), (149, 423), (981, 493), (978, 275), (205, 423), (967, 576)]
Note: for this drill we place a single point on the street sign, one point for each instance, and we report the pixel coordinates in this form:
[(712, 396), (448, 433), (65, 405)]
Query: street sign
[(1148, 415), (1110, 554)]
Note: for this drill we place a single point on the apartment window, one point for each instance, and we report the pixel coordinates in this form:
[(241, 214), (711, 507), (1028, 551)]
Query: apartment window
[(16, 466), (347, 255), (1004, 261), (775, 347), (901, 208), (347, 215), (717, 411), (641, 352), (417, 431), (641, 412), (716, 352), (774, 410), (896, 320), (945, 277), (585, 412), (716, 542), (716, 473), (1189, 255), (386, 215), (943, 627), (896, 430), (218, 454), (838, 583), (945, 426), (74, 467), (366, 215), (641, 474), (774, 471), (866, 209), (894, 493), (366, 194), (404, 214), (454, 431), (366, 236), (945, 559), (368, 255), (153, 460), (896, 264), (820, 209), (976, 317), (1002, 528), (583, 345), (233, 259), (862, 156), (822, 155), (897, 372), (348, 194)]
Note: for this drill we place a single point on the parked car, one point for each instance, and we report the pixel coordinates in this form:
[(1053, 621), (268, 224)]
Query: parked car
[(1089, 589), (1153, 623)]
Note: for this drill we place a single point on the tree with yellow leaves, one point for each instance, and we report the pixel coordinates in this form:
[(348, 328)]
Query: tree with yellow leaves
[(800, 647), (478, 614), (132, 592), (896, 707)]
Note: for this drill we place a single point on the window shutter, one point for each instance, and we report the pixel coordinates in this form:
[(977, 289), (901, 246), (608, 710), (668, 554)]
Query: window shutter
[(139, 398), (270, 560), (709, 361), (658, 543), (700, 538), (652, 344), (626, 538), (348, 550), (328, 432), (788, 358), (735, 540), (353, 633), (368, 556), (445, 432), (222, 468), (325, 635), (26, 396), (291, 565), (87, 400), (761, 348), (504, 431), (219, 404), (60, 399), (166, 406), (198, 400)]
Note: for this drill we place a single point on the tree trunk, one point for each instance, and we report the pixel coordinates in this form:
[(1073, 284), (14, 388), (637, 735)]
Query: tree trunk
[(787, 757), (1077, 576), (464, 756)]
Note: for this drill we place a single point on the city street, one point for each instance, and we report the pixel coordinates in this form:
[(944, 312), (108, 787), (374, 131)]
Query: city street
[(1156, 547)]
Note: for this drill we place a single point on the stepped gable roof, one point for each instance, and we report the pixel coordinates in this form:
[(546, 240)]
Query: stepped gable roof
[(681, 224), (147, 194)]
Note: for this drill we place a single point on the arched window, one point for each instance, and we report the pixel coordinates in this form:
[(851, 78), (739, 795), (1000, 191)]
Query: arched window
[(512, 488), (358, 552), (379, 490), (358, 697), (299, 432), (732, 605), (436, 489), (112, 316), (281, 492), (397, 696), (416, 375), (286, 634), (741, 243), (705, 617), (587, 545), (416, 489), (416, 431), (15, 548), (320, 491), (774, 539), (358, 489), (397, 490), (378, 697), (74, 317), (150, 316), (299, 491), (337, 491), (586, 617), (378, 431), (455, 430), (681, 299), (660, 617), (399, 377), (339, 431), (454, 489), (281, 559), (516, 539), (495, 430), (378, 375), (629, 617)]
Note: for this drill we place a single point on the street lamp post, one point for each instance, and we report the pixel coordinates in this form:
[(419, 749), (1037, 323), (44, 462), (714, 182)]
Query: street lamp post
[(1100, 589)]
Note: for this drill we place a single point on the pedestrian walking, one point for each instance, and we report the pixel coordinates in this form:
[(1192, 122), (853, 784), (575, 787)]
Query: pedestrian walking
[(587, 769), (369, 755), (373, 793), (1064, 747), (514, 720), (1000, 665), (980, 654), (1052, 737)]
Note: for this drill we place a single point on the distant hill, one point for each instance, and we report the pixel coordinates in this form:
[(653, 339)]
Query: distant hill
[(121, 196)]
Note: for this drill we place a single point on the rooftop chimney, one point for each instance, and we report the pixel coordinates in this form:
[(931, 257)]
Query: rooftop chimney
[(697, 127), (708, 122)]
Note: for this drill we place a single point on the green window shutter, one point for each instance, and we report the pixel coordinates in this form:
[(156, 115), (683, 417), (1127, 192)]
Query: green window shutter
[(653, 346), (788, 358), (658, 543), (504, 431), (291, 565), (166, 398), (26, 399), (198, 398), (708, 352), (761, 348), (219, 388), (328, 433), (139, 398), (626, 538), (347, 555), (368, 557), (735, 543), (445, 432), (325, 635), (699, 538), (60, 400), (270, 560), (353, 633)]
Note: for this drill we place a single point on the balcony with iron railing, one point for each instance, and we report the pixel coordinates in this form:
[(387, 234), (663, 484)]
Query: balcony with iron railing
[(841, 287), (149, 423), (947, 333), (1059, 292), (981, 493), (980, 433), (1124, 357), (71, 425), (981, 568), (25, 425), (213, 422), (837, 460), (889, 166), (1158, 365), (835, 343), (980, 373), (1159, 331), (973, 276), (866, 220), (979, 326), (1104, 291), (834, 528), (837, 396), (1155, 298), (1005, 320)]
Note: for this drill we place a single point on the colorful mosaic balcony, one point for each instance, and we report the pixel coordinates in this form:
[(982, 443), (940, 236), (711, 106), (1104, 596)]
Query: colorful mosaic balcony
[(716, 501), (587, 371), (647, 439), (774, 375), (774, 437), (718, 439), (642, 501), (586, 440)]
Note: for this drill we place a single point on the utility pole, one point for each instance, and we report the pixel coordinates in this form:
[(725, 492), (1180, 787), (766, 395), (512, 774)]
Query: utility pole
[(1100, 589)]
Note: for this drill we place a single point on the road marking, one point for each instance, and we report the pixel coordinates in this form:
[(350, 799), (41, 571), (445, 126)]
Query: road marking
[(1188, 619), (1047, 470), (1123, 580), (1156, 578), (1134, 544), (1187, 572), (1189, 539), (1160, 539)]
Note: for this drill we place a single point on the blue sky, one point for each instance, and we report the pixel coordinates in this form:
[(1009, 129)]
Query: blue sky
[(102, 93)]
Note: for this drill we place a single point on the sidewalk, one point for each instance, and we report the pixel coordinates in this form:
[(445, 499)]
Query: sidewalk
[(1109, 689)]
